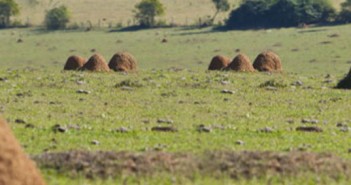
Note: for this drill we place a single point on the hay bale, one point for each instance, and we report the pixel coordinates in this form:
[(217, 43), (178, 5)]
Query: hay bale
[(15, 166), (241, 63), (74, 62), (345, 83), (96, 63), (268, 61), (219, 62), (123, 62)]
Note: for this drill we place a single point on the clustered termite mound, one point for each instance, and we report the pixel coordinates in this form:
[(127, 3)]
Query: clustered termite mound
[(120, 62), (267, 61)]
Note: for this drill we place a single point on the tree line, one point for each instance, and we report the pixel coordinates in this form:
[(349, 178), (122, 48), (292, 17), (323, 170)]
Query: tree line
[(250, 14), (287, 13)]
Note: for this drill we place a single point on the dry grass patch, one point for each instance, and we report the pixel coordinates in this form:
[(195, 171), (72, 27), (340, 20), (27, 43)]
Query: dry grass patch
[(246, 164)]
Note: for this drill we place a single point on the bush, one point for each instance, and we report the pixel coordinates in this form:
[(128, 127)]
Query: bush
[(280, 13), (251, 13), (147, 10), (57, 18), (345, 14), (8, 8)]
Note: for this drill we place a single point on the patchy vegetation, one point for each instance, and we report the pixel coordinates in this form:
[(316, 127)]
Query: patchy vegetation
[(215, 164)]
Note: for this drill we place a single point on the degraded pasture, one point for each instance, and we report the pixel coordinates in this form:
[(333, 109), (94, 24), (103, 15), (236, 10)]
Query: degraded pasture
[(173, 104)]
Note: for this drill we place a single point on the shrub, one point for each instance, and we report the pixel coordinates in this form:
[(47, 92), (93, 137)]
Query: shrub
[(221, 6), (147, 10), (8, 8), (251, 13), (274, 83), (345, 14), (280, 13), (57, 18)]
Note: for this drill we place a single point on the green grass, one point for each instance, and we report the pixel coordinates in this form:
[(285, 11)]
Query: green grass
[(40, 93), (171, 180), (302, 50), (187, 98)]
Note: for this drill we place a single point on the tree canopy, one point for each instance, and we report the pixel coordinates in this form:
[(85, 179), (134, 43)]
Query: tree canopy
[(221, 6), (280, 13), (8, 8), (147, 10)]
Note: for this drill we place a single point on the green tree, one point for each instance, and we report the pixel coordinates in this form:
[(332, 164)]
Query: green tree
[(147, 10), (280, 13), (345, 13), (8, 8), (221, 6), (57, 18)]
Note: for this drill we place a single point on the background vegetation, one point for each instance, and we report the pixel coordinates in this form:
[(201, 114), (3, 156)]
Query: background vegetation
[(57, 18), (281, 13), (177, 12)]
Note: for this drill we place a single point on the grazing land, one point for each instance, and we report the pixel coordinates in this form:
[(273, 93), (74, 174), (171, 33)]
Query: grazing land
[(173, 108)]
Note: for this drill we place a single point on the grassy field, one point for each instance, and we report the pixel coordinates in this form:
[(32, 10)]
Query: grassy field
[(121, 11), (173, 89), (320, 50)]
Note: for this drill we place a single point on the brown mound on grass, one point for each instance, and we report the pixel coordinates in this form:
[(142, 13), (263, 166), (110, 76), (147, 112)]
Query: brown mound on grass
[(74, 62), (268, 61), (15, 166), (96, 63), (246, 164), (219, 62), (241, 63), (345, 83), (123, 62)]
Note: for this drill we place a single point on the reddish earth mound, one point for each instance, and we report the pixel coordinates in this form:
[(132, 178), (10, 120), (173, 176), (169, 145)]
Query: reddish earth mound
[(219, 62), (268, 61), (123, 62), (241, 63), (96, 63), (74, 62), (345, 83), (15, 166)]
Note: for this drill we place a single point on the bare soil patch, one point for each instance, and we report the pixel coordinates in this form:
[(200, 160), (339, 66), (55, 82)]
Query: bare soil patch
[(246, 164)]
